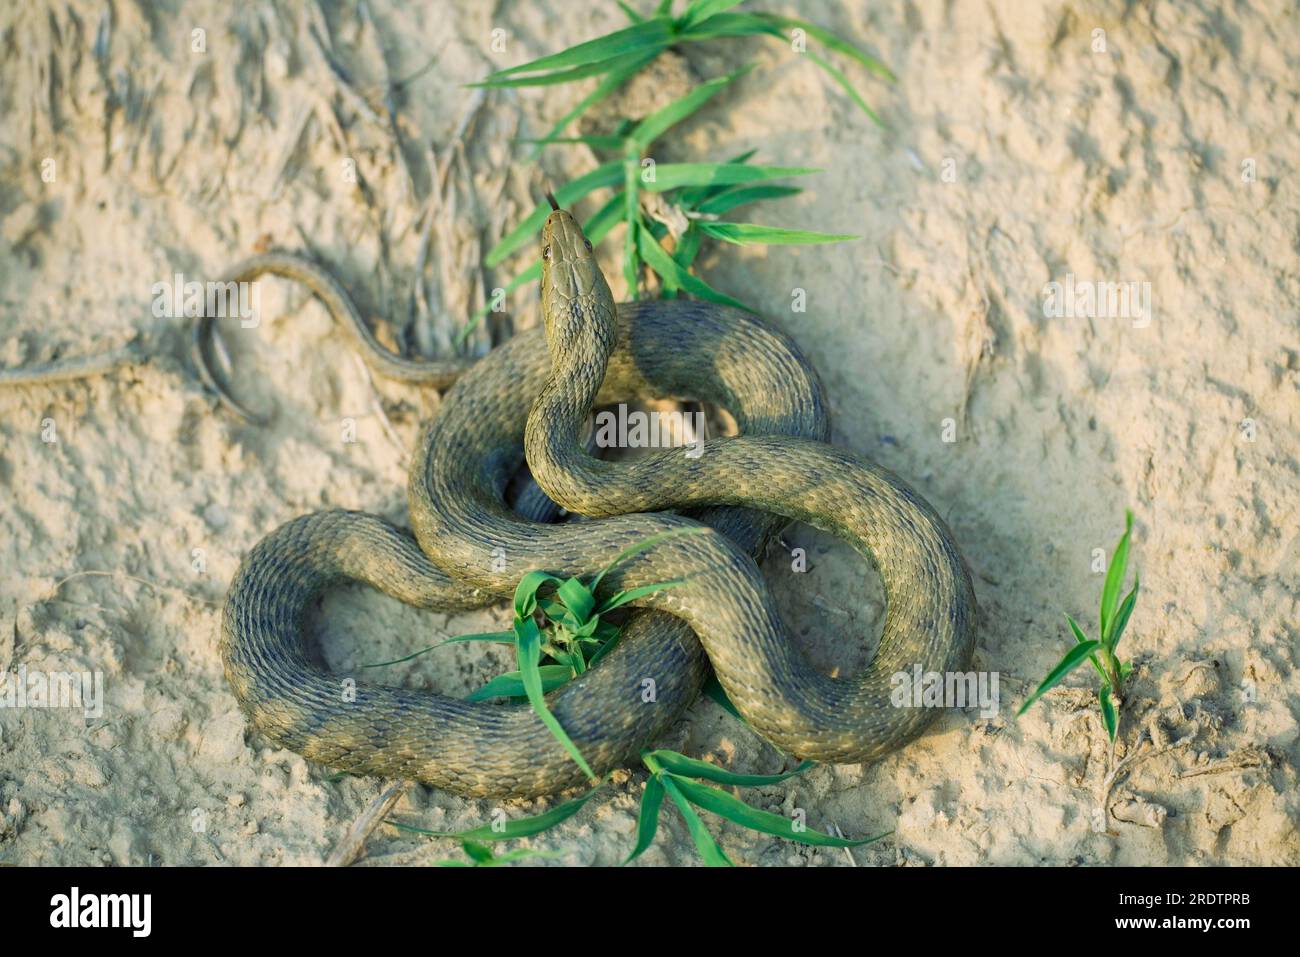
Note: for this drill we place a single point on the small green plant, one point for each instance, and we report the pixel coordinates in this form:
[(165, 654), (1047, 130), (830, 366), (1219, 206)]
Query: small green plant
[(559, 633), (1102, 652), (678, 777), (565, 626), (694, 198), (619, 55)]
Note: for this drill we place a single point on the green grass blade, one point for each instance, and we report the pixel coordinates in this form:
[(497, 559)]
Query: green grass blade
[(577, 598), (607, 174), (729, 199), (701, 10), (649, 542), (612, 81), (688, 247), (843, 82), (1080, 638), (681, 765), (607, 645), (830, 40), (663, 119), (523, 827), (526, 593), (555, 78), (596, 142), (622, 598), (728, 24), (1108, 716), (631, 215), (737, 811), (748, 234), (647, 825), (655, 33), (511, 684), (713, 688), (1114, 580), (1072, 659), (498, 637), (479, 853), (659, 260), (1122, 616), (529, 653), (676, 175), (691, 197), (709, 850)]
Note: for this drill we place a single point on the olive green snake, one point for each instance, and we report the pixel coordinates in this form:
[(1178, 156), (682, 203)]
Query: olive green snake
[(469, 548)]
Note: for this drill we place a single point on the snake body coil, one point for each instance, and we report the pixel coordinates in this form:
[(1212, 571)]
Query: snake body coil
[(744, 489)]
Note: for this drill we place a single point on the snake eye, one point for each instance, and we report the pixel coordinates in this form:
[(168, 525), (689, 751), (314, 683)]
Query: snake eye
[(546, 253), (587, 243)]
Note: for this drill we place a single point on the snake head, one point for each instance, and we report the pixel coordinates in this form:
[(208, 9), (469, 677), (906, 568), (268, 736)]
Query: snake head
[(576, 300)]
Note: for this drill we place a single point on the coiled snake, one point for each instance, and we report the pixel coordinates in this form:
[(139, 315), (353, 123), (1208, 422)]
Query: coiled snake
[(746, 488)]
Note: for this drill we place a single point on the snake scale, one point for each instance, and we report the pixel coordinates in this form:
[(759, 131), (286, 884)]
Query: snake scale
[(469, 548)]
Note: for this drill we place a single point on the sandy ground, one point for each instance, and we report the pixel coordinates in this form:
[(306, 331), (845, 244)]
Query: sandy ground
[(1015, 155)]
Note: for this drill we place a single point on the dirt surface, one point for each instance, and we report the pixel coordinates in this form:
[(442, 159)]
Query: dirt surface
[(1015, 154)]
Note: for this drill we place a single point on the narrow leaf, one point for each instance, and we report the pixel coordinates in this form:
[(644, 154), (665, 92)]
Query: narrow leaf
[(612, 81), (663, 119), (737, 811), (709, 850), (676, 175), (729, 199), (647, 824), (523, 827), (1114, 580), (843, 82), (663, 264), (529, 652), (526, 592), (713, 688), (830, 40), (648, 542), (622, 598), (746, 234), (1122, 616), (1080, 638), (497, 637), (511, 684), (579, 600), (498, 81), (681, 765), (1067, 664), (653, 33), (1108, 716), (701, 10)]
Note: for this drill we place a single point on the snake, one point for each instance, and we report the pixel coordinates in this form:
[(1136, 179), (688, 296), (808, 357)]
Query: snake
[(713, 512)]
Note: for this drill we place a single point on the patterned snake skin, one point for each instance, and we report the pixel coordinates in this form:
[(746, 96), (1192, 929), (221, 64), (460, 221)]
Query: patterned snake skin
[(469, 549)]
